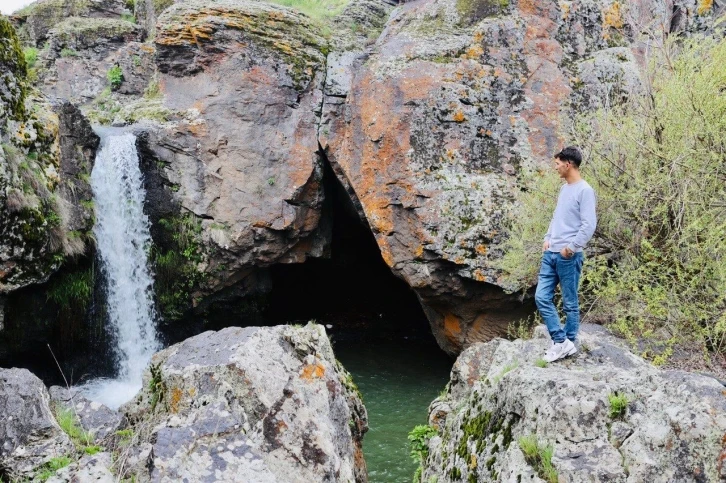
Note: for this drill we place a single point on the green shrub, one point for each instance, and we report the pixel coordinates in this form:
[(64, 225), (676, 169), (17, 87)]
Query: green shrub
[(72, 291), (657, 263), (31, 56), (66, 52), (618, 405), (176, 266), (115, 77), (540, 363), (539, 457), (419, 443)]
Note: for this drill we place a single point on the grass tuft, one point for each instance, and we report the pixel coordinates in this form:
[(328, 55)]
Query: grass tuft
[(618, 404), (539, 457)]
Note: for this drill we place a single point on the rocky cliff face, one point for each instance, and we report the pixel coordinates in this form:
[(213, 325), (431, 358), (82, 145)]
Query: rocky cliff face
[(46, 158), (434, 130), (607, 414), (431, 115), (271, 404)]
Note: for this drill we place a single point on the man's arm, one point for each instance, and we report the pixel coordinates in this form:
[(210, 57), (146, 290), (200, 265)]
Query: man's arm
[(588, 221)]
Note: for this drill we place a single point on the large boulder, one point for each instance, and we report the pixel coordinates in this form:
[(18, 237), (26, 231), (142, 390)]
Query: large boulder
[(244, 80), (670, 425), (434, 132), (29, 434), (271, 403)]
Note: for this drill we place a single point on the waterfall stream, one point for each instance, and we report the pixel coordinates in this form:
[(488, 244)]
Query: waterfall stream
[(123, 241)]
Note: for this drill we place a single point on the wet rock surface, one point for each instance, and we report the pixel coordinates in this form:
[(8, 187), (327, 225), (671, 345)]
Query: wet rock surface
[(670, 429)]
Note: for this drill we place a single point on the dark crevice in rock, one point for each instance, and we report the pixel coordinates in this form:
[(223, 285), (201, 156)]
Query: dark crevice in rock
[(353, 289)]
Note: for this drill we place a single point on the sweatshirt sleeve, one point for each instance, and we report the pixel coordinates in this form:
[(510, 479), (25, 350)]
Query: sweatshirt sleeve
[(588, 220)]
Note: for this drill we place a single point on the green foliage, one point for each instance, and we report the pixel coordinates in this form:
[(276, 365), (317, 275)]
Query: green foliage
[(618, 405), (72, 291), (115, 77), (176, 266), (49, 468), (92, 449), (128, 17), (68, 422), (67, 52), (524, 328), (315, 9), (156, 386), (657, 163), (540, 363), (31, 56), (419, 443), (539, 457)]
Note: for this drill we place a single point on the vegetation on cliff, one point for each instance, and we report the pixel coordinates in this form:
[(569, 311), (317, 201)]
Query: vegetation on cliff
[(658, 165)]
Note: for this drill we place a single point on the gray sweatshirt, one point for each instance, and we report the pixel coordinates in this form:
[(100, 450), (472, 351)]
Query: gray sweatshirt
[(574, 220)]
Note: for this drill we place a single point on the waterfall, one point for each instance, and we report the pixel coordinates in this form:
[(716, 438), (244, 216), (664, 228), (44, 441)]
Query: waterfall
[(123, 242)]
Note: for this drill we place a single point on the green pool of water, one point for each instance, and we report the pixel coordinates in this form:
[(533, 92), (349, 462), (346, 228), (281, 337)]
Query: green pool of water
[(398, 380)]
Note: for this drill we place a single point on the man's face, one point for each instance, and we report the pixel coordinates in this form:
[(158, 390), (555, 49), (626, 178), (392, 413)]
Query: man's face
[(562, 167)]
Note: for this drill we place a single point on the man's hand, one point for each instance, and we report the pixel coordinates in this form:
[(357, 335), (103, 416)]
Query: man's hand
[(566, 252), (545, 246)]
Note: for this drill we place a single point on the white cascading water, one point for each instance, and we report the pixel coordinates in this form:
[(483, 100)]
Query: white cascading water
[(123, 241)]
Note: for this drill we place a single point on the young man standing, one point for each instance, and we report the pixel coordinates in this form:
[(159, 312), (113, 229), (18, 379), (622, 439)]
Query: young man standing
[(572, 226)]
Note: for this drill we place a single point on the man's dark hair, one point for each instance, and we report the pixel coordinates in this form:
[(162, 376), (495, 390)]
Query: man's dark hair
[(571, 154)]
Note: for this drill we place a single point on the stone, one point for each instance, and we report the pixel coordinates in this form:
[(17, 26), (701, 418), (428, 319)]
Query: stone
[(270, 403), (37, 19), (239, 153), (29, 434), (671, 429), (94, 418), (89, 469)]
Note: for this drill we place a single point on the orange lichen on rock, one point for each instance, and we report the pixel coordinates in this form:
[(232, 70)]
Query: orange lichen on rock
[(459, 116), (176, 395), (704, 6), (312, 371), (613, 16), (481, 249)]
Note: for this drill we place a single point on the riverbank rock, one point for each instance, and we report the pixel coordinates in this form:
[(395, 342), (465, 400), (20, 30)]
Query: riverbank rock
[(671, 426), (96, 419), (269, 403), (29, 434)]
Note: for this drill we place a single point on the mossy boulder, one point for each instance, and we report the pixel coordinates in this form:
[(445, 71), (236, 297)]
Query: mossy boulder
[(13, 73), (80, 34), (192, 34), (37, 19)]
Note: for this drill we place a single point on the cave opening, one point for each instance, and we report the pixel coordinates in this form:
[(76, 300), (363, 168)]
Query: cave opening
[(353, 292)]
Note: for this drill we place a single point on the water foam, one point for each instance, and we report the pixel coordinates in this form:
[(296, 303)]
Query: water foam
[(123, 242)]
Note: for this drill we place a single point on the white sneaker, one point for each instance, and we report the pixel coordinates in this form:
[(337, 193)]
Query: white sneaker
[(560, 351)]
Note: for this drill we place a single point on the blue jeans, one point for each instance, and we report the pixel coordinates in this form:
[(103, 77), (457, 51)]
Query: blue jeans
[(566, 271)]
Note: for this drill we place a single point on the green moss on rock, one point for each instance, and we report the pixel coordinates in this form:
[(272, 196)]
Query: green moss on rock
[(13, 73)]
